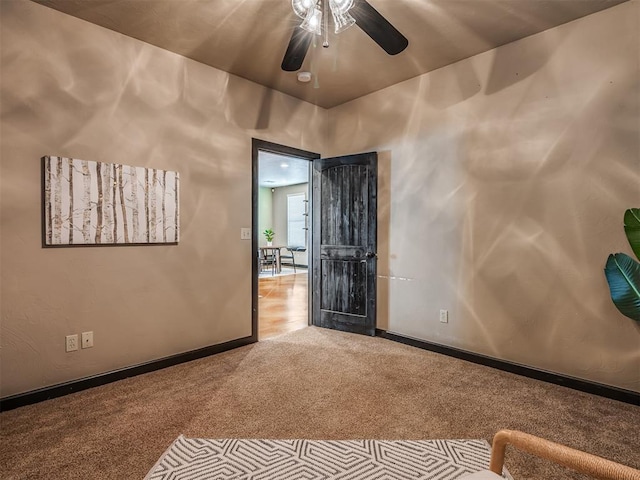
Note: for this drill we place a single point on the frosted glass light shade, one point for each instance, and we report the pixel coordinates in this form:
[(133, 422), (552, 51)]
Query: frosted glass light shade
[(340, 6), (313, 21), (342, 21), (301, 7)]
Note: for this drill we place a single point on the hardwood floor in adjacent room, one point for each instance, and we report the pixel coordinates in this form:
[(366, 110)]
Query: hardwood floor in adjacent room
[(282, 304)]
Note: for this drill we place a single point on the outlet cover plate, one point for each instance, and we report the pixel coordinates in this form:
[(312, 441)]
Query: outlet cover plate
[(444, 316), (71, 343)]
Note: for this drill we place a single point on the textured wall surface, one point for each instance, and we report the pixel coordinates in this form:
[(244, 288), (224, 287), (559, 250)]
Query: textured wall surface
[(504, 180), (70, 88)]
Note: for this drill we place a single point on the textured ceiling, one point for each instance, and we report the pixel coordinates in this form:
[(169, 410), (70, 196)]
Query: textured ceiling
[(249, 37), (279, 170)]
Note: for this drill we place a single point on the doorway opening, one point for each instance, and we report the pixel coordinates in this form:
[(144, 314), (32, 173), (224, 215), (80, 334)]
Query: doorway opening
[(281, 238)]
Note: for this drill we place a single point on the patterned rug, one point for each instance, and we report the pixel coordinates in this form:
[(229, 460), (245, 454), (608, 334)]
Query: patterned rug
[(196, 458)]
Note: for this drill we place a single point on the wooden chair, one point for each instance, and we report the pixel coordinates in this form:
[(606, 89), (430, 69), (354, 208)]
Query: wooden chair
[(592, 465)]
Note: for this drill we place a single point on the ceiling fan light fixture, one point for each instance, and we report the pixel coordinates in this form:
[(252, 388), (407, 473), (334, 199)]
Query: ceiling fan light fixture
[(341, 6), (313, 21), (367, 18), (312, 10), (301, 7), (342, 21)]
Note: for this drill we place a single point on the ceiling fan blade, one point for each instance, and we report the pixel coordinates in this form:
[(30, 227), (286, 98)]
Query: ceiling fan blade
[(378, 28), (296, 50)]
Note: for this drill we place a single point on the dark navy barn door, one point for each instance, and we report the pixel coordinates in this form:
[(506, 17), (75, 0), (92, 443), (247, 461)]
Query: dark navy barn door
[(344, 233)]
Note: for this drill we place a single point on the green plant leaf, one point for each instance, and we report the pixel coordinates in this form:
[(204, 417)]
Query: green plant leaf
[(632, 229), (269, 234), (623, 276)]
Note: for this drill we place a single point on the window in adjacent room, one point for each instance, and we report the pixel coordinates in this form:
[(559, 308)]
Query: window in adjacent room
[(296, 220)]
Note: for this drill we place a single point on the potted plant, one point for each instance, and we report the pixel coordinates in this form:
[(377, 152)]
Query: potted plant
[(269, 234), (623, 272)]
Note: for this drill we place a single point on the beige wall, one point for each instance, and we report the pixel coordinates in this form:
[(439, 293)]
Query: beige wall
[(505, 178), (73, 89)]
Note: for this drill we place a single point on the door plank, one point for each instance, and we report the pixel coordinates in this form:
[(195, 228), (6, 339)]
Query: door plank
[(347, 280)]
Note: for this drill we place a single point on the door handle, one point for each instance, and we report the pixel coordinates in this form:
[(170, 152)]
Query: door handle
[(368, 255)]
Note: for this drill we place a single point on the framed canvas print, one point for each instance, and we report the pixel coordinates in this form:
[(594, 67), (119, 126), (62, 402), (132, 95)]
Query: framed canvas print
[(95, 203)]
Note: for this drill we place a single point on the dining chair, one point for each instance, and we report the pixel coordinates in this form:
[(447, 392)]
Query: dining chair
[(289, 258), (265, 260)]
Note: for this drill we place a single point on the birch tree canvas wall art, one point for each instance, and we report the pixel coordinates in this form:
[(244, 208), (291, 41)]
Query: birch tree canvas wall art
[(96, 203)]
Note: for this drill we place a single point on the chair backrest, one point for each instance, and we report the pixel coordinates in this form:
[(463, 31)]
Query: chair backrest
[(577, 460), (263, 256)]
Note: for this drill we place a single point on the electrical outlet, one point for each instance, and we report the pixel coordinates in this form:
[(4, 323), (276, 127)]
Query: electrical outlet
[(87, 339), (444, 316), (245, 234), (71, 343)]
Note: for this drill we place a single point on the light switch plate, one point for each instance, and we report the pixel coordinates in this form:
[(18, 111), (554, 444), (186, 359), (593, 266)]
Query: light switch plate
[(245, 234)]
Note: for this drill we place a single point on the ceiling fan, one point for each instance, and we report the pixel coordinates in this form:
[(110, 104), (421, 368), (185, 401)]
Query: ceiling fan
[(345, 13)]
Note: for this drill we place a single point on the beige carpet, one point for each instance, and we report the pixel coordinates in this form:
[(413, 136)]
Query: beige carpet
[(314, 384)]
